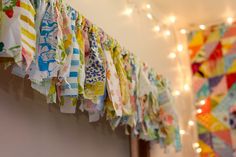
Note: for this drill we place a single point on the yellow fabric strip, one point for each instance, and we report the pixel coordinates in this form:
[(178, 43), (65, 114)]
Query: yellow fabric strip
[(30, 46), (28, 34), (27, 20), (27, 7)]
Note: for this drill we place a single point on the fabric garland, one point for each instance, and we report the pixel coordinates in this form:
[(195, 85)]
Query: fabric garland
[(75, 64)]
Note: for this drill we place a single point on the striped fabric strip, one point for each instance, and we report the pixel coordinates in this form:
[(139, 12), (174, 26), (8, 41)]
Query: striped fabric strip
[(75, 51), (30, 49), (26, 5), (70, 87), (75, 62), (28, 42), (73, 74), (27, 20), (28, 33)]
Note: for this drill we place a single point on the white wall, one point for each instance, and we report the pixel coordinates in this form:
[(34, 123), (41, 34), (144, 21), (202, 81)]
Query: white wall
[(29, 129)]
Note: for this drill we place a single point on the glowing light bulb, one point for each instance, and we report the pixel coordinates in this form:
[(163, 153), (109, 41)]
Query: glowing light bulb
[(182, 132), (176, 93), (230, 20), (199, 111), (172, 55), (202, 102), (199, 150), (157, 28), (202, 27), (167, 33), (180, 47), (172, 19), (128, 11), (149, 16), (191, 123), (183, 31), (196, 145), (186, 87), (148, 6)]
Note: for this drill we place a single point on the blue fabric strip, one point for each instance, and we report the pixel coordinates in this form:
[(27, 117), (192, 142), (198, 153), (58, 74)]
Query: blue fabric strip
[(72, 85), (74, 62), (75, 51), (73, 74)]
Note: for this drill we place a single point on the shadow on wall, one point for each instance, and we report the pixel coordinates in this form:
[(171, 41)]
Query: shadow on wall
[(21, 89), (33, 128)]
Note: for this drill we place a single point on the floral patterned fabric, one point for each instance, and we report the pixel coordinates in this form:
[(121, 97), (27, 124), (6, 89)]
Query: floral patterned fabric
[(117, 58), (113, 85), (49, 53), (18, 36), (94, 69), (70, 85)]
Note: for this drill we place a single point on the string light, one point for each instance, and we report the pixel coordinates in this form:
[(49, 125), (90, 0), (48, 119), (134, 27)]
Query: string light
[(202, 102), (180, 47), (186, 87), (148, 6), (167, 33), (128, 11), (199, 111), (230, 20), (172, 19), (182, 132), (149, 16), (172, 55), (199, 150), (183, 31), (157, 28), (202, 27), (191, 123), (176, 93), (196, 145)]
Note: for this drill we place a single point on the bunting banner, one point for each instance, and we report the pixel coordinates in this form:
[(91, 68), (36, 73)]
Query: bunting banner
[(76, 65)]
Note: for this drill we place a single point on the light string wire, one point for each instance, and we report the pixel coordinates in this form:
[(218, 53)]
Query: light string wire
[(185, 75)]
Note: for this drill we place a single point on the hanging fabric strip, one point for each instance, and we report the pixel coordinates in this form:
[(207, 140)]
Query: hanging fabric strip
[(18, 35)]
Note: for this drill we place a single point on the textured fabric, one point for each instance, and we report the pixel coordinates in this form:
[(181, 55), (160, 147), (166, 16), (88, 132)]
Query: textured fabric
[(66, 46), (213, 63), (113, 85), (132, 72), (70, 85), (94, 69), (117, 58), (49, 54), (18, 36), (80, 39), (28, 33)]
